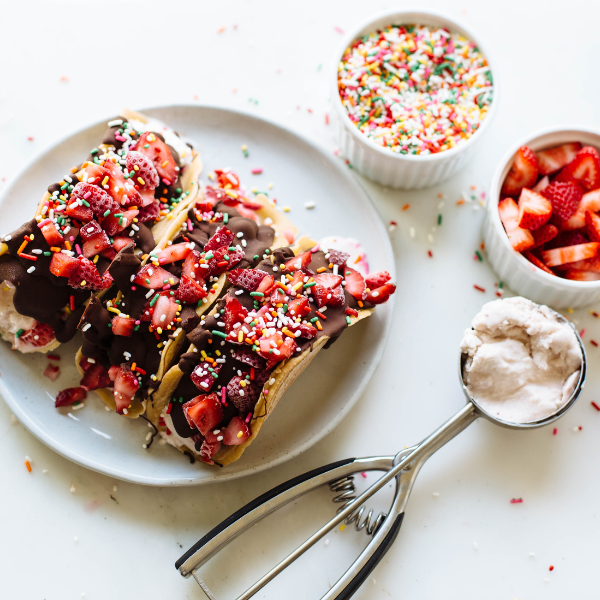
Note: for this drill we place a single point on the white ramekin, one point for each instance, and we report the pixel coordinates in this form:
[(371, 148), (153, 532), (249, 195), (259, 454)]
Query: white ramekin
[(403, 171), (516, 271)]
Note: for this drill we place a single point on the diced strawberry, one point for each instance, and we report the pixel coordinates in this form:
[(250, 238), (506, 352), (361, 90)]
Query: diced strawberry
[(249, 279), (565, 198), (265, 285), (121, 189), (381, 294), (69, 396), (592, 264), (541, 185), (520, 239), (234, 313), (208, 450), (121, 242), (204, 375), (108, 253), (52, 372), (123, 326), (95, 377), (355, 283), (227, 179), (150, 212), (114, 224), (173, 253), (99, 200), (569, 254), (221, 239), (544, 234), (165, 310), (589, 201), (158, 152), (592, 225), (190, 290), (191, 266), (113, 371), (523, 173), (251, 204), (79, 212), (243, 393), (147, 198), (63, 265), (205, 412), (268, 344), (38, 336), (86, 276), (90, 230), (326, 283), (248, 357), (152, 277), (537, 262), (126, 387), (306, 331), (300, 307), (554, 159), (283, 352), (375, 280), (534, 209), (51, 234), (298, 262), (141, 170), (107, 280), (96, 244), (576, 275), (337, 257), (223, 260), (236, 433), (585, 168)]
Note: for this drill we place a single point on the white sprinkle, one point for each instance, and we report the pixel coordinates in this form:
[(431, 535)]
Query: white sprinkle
[(532, 554), (73, 489), (309, 205), (92, 360), (430, 238), (44, 471), (271, 381), (8, 238), (327, 542), (115, 488), (413, 233), (115, 122), (31, 269), (436, 494), (475, 545), (36, 251), (244, 243), (75, 539), (86, 327), (79, 406), (240, 234)]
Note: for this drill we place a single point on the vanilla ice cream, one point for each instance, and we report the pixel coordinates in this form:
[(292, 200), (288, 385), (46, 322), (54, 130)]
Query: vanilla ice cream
[(523, 363)]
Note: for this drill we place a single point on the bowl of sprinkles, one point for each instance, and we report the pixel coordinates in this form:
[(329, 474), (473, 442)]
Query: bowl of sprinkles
[(414, 91)]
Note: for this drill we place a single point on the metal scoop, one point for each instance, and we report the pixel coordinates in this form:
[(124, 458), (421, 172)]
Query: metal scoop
[(404, 468)]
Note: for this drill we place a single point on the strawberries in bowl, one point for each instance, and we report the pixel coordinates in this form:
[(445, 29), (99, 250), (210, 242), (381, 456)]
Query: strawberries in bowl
[(549, 208)]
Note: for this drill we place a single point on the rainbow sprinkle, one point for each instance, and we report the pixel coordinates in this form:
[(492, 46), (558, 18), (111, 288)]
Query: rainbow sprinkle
[(415, 90)]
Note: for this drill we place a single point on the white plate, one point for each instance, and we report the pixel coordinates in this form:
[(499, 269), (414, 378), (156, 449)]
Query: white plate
[(321, 396)]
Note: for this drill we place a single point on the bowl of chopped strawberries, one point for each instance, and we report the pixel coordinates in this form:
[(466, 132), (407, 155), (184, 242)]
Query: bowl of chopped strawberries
[(542, 226)]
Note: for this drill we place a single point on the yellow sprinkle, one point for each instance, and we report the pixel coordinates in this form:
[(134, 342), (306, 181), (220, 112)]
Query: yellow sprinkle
[(218, 352), (141, 181), (570, 310), (243, 383), (170, 216), (136, 168), (159, 330), (105, 180), (171, 281), (95, 260), (239, 434), (240, 336), (286, 209), (297, 286), (113, 309), (151, 137), (153, 377), (342, 527), (270, 186), (203, 353), (83, 283), (244, 147)]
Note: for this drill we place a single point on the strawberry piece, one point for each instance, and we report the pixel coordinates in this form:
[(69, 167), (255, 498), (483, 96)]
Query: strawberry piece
[(121, 189), (191, 266), (203, 376), (265, 285), (569, 254), (234, 313), (126, 387), (141, 170), (69, 396), (243, 393), (299, 307), (151, 212), (554, 159), (96, 244), (520, 239), (90, 230), (123, 326), (79, 212), (99, 200), (152, 277), (221, 239), (121, 242), (534, 210), (227, 178), (537, 262), (236, 433), (306, 331), (158, 152), (190, 290), (337, 257), (541, 185), (565, 198), (38, 336), (208, 450), (592, 264), (576, 275), (147, 198), (298, 262), (283, 352), (95, 377), (544, 234), (589, 201), (63, 265), (113, 371), (248, 357), (326, 283), (51, 233), (523, 173), (203, 412), (114, 224), (86, 276), (356, 285), (52, 372), (223, 260), (381, 294), (585, 168), (165, 311), (249, 279), (270, 343), (173, 253), (375, 280), (592, 225)]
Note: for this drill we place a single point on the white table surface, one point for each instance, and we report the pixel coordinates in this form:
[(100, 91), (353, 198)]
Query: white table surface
[(470, 542)]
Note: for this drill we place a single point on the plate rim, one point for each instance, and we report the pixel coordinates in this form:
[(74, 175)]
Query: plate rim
[(55, 444)]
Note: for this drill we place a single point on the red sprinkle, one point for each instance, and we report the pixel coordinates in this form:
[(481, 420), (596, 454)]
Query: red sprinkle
[(348, 311), (516, 500), (582, 333), (140, 370), (326, 119), (252, 373), (595, 314), (320, 314), (479, 288), (72, 302), (554, 431), (594, 343), (551, 568), (595, 405), (28, 256), (53, 357), (169, 408), (430, 253)]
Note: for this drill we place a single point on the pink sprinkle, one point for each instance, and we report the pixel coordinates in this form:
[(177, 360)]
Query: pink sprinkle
[(516, 500), (223, 395), (339, 30), (189, 224), (256, 171), (120, 138), (166, 181), (133, 288), (316, 248), (554, 431), (138, 322), (266, 392), (78, 249), (166, 287), (71, 238), (364, 474), (582, 333), (248, 417), (87, 195)]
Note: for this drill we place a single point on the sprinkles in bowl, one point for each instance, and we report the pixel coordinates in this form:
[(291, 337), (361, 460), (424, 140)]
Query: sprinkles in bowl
[(415, 89)]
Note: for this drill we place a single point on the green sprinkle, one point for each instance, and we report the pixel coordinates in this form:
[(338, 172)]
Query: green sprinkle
[(153, 301), (348, 320), (215, 375), (225, 257), (136, 327), (178, 191), (256, 257), (267, 251), (219, 333), (19, 333), (500, 284), (479, 257), (308, 285), (118, 214), (146, 146), (439, 219), (85, 202), (231, 248), (208, 256), (47, 253), (225, 218), (254, 347), (285, 308), (64, 186), (314, 320), (281, 291), (94, 151), (257, 294), (121, 221), (106, 213)]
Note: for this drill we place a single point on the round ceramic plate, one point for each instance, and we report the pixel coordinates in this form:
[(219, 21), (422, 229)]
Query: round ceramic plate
[(316, 402)]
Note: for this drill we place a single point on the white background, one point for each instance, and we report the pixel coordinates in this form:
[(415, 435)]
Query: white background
[(470, 542)]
